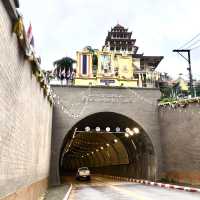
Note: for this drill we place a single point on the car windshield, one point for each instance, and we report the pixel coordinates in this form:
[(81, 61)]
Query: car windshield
[(83, 168)]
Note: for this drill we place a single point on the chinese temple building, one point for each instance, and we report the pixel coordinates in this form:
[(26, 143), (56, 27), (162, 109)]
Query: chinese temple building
[(117, 64)]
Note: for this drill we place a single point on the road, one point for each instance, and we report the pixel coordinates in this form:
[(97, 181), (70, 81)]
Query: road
[(100, 188)]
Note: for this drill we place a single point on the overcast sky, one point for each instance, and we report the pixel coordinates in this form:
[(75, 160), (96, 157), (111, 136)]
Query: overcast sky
[(61, 27)]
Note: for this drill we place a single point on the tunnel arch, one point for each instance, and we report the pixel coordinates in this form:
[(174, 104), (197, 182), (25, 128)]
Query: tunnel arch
[(132, 156)]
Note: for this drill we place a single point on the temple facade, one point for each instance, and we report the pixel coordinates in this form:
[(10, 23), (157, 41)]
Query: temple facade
[(117, 63)]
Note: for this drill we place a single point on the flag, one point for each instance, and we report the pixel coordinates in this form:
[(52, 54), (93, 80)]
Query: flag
[(30, 36)]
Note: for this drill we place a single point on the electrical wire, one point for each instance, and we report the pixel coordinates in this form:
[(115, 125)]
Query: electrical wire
[(190, 46), (195, 47), (190, 41)]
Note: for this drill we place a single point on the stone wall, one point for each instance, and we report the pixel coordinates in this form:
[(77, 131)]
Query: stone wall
[(180, 137), (25, 121)]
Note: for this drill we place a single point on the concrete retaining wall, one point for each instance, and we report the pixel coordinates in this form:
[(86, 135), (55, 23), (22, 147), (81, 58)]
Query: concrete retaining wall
[(180, 137), (141, 107), (25, 121)]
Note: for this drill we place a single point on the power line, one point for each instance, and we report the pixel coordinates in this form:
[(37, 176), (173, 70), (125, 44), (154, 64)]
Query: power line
[(193, 44), (190, 41), (195, 47)]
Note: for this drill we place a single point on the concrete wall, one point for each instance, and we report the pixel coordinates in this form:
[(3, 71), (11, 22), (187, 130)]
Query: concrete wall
[(180, 136), (137, 104), (25, 121)]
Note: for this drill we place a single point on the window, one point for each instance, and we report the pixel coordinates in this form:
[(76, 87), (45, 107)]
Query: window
[(84, 69)]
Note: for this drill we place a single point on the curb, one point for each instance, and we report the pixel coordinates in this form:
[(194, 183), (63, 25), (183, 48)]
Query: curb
[(146, 182), (68, 193)]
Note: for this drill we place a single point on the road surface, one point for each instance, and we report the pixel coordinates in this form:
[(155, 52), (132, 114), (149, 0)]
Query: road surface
[(100, 188)]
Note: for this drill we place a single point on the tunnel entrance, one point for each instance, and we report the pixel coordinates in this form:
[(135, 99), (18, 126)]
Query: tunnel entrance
[(109, 143)]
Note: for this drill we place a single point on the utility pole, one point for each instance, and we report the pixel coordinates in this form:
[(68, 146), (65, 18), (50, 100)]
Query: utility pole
[(188, 59)]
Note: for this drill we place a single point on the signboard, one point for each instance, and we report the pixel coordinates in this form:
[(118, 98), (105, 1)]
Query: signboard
[(107, 81)]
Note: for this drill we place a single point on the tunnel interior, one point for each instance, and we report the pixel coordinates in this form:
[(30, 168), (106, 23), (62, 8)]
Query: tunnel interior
[(108, 143)]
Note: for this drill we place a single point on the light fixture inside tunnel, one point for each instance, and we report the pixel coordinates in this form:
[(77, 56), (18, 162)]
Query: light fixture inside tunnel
[(97, 150), (126, 135), (107, 145), (117, 129), (107, 129), (101, 148), (92, 152), (136, 130), (127, 129), (87, 128), (131, 133), (97, 129), (115, 140)]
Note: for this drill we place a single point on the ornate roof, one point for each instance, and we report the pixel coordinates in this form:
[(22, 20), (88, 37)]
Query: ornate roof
[(119, 39), (118, 26)]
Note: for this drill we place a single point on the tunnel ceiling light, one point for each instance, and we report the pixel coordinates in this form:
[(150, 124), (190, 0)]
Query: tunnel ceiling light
[(82, 156), (117, 129), (127, 130), (92, 152), (97, 129), (126, 135), (107, 129), (101, 148), (136, 130), (107, 145), (97, 150), (115, 140), (87, 128), (131, 133), (87, 154)]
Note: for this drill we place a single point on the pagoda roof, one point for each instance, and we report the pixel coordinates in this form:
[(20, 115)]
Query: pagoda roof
[(118, 26)]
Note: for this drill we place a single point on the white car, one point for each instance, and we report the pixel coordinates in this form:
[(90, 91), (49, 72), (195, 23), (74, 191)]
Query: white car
[(83, 173)]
